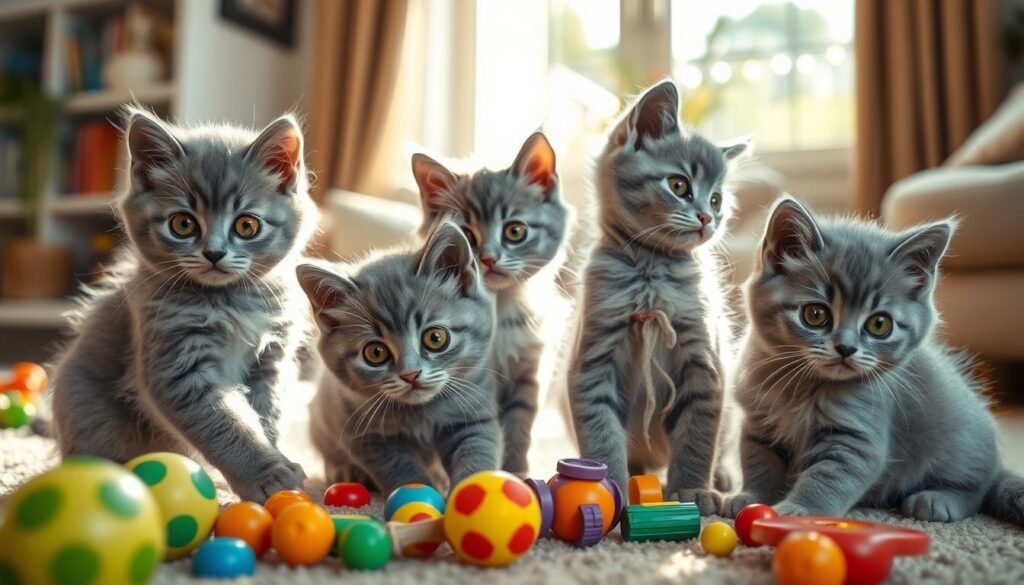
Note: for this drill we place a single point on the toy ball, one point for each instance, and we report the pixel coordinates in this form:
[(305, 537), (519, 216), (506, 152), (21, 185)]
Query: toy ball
[(417, 512), (186, 496), (493, 518), (27, 378), (587, 504), (87, 521), (303, 534), (15, 410), (278, 501), (413, 492), (745, 519), (223, 558), (718, 538), (350, 495), (809, 558), (364, 545), (248, 522)]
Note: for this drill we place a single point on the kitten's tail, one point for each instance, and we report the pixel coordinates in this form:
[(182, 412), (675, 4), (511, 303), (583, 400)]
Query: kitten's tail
[(1005, 499)]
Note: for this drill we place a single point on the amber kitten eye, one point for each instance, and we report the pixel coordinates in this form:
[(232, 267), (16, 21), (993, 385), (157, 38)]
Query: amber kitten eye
[(716, 201), (815, 315), (183, 225), (376, 353), (879, 325), (515, 231), (247, 226), (435, 338), (679, 185)]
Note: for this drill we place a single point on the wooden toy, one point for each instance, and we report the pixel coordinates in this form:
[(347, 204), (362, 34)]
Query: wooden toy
[(223, 558), (586, 504), (87, 521), (303, 534), (364, 544), (673, 521), (246, 521), (15, 410), (186, 496), (645, 489), (346, 494), (746, 518), (413, 492), (278, 501), (418, 512), (808, 558), (869, 548), (718, 538)]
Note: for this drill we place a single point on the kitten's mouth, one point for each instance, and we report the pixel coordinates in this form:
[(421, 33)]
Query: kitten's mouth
[(841, 368)]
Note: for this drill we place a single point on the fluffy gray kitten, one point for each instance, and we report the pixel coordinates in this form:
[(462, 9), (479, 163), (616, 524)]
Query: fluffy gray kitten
[(849, 397), (184, 345), (646, 379), (405, 340), (516, 222)]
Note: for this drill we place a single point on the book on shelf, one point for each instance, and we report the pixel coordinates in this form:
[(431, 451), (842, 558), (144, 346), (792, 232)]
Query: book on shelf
[(93, 40), (94, 156)]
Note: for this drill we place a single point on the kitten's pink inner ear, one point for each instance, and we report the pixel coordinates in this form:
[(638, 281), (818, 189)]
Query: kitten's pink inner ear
[(283, 158), (540, 167), (436, 184)]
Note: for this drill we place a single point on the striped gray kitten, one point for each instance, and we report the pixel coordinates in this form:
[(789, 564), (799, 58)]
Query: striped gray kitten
[(516, 222), (184, 345), (849, 397), (405, 340), (646, 380)]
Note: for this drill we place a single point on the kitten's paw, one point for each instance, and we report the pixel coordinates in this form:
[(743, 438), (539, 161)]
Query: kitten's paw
[(734, 504), (932, 507), (787, 508), (284, 475), (708, 501)]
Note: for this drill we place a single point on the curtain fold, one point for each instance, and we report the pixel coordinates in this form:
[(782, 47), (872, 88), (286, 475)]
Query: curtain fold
[(928, 72)]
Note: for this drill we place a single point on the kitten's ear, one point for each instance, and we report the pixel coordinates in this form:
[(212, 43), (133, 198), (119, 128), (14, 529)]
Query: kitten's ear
[(433, 180), (791, 232), (325, 290), (150, 143), (920, 252), (279, 149), (447, 252), (536, 163), (732, 150), (655, 114)]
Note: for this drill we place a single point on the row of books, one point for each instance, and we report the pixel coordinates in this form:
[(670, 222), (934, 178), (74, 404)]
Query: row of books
[(90, 44), (93, 158), (10, 162)]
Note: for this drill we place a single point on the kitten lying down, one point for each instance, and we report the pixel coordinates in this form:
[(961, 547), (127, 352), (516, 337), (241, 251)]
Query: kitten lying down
[(849, 397)]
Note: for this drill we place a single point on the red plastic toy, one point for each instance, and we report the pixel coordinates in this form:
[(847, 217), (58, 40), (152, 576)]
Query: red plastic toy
[(352, 495), (869, 548), (746, 518)]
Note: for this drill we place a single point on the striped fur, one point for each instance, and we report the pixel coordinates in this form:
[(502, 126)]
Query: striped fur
[(647, 263), (173, 352), (368, 422)]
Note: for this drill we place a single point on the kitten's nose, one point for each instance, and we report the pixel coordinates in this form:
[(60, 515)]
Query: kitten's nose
[(214, 256), (704, 218), (845, 350), (488, 261), (410, 377)]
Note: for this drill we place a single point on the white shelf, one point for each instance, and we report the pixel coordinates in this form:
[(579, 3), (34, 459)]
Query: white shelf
[(82, 204), (34, 313), (87, 102), (10, 209)]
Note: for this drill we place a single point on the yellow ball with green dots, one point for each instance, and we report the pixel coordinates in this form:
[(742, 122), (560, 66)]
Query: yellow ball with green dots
[(186, 496), (87, 522)]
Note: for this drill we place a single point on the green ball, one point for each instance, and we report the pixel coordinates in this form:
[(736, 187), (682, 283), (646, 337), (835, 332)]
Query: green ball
[(365, 545), (14, 411)]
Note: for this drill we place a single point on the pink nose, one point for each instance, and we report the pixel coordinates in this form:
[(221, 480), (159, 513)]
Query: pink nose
[(410, 377), (704, 218), (489, 261)]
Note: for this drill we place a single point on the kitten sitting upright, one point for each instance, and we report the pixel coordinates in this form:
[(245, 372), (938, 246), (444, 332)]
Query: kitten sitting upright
[(849, 397), (405, 339), (183, 345)]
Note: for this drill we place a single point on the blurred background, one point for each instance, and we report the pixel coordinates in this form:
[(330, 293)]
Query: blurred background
[(899, 110)]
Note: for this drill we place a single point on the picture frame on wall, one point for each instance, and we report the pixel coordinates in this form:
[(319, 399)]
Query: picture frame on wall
[(273, 19)]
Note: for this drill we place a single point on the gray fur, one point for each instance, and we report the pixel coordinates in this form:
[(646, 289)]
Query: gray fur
[(171, 354), (484, 203), (647, 259), (897, 423), (369, 423)]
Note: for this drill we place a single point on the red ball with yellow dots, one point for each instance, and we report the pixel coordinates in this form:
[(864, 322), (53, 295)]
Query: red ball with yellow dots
[(417, 512), (492, 519)]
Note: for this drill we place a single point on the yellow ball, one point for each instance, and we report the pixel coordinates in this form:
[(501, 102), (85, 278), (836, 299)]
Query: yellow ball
[(718, 538), (87, 521), (491, 519), (417, 512), (186, 496)]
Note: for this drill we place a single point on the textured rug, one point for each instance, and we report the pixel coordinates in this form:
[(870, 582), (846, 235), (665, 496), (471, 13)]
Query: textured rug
[(978, 550)]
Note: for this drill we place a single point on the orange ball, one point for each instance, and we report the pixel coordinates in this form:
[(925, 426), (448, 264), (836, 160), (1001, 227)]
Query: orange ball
[(569, 496), (27, 378), (277, 502), (249, 522), (809, 558), (303, 534)]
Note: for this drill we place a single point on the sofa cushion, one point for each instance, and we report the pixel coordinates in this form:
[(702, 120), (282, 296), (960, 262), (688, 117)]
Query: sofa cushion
[(989, 200), (362, 223)]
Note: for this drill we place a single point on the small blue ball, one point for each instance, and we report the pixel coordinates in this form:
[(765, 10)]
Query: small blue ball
[(223, 558), (412, 492)]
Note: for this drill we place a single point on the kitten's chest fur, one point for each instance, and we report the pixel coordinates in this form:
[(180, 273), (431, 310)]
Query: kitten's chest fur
[(515, 336), (635, 280)]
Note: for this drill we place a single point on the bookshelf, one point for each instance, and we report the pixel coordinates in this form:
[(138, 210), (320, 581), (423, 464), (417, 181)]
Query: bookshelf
[(204, 59)]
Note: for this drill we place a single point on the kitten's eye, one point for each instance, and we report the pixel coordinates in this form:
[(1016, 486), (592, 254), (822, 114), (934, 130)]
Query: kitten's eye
[(469, 235), (679, 185), (879, 325), (247, 226), (435, 338), (515, 231), (183, 225), (815, 315), (376, 353), (716, 201)]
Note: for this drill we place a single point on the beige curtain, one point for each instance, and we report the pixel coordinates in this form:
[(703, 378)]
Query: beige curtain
[(357, 54), (928, 73)]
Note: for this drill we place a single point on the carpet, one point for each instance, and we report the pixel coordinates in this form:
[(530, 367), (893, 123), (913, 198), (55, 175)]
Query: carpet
[(977, 550)]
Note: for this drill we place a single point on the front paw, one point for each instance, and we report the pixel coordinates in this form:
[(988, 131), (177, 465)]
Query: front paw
[(788, 508), (931, 507), (734, 504), (708, 501), (282, 475)]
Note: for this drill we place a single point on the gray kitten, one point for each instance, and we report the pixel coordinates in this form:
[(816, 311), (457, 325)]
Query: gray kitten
[(516, 222), (646, 379), (849, 397), (405, 339), (185, 343)]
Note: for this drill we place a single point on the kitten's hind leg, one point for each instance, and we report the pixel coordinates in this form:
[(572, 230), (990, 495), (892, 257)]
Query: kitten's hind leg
[(942, 505), (692, 426)]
